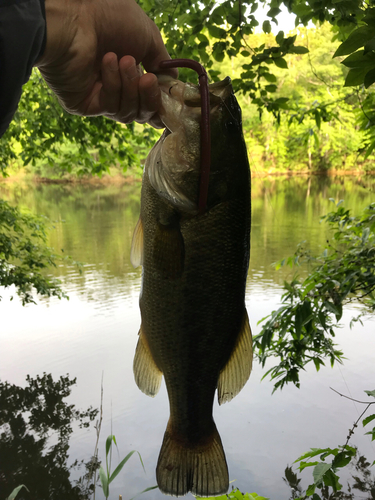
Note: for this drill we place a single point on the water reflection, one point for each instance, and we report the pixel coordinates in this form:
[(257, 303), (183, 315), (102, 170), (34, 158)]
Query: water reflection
[(36, 424), (94, 225), (97, 331)]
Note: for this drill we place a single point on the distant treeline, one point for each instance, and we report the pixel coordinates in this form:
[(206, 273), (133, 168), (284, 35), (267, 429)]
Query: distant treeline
[(321, 127)]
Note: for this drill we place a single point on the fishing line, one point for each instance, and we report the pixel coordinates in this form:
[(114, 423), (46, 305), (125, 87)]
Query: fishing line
[(205, 124)]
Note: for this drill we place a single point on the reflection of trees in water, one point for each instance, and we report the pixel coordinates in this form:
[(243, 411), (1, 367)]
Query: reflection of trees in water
[(30, 419), (100, 220), (361, 485)]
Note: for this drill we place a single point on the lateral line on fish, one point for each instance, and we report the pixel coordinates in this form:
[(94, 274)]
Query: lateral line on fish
[(205, 124)]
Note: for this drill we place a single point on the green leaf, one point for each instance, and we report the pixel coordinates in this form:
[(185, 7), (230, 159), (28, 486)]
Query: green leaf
[(310, 490), (332, 479), (356, 39), (108, 443), (280, 62), (144, 491), (370, 45), (282, 100), (15, 492), (319, 471), (269, 77), (342, 459), (271, 88), (299, 49), (372, 434), (104, 481), (120, 466), (303, 465), (370, 393), (275, 11), (369, 78), (266, 27), (355, 77), (369, 150), (313, 453), (280, 37), (360, 60), (216, 32)]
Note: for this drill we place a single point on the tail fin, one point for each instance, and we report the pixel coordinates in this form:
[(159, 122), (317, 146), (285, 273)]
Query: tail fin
[(201, 469)]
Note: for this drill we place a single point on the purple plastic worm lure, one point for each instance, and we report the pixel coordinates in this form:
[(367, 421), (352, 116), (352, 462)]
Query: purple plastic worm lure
[(205, 124)]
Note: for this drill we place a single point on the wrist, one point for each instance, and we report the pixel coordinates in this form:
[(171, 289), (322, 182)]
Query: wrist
[(61, 26)]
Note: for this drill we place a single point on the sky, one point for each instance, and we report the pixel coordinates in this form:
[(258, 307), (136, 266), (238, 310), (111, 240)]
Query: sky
[(285, 20)]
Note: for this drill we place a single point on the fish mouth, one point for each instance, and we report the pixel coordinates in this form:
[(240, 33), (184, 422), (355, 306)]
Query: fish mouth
[(189, 94), (184, 98)]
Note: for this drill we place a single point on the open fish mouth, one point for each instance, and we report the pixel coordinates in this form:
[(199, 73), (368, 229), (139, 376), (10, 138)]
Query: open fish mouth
[(189, 94), (184, 98)]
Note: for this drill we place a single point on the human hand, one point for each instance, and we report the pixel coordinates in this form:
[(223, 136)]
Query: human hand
[(93, 55)]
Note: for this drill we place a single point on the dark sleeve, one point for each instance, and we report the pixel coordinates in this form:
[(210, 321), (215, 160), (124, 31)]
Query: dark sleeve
[(22, 41)]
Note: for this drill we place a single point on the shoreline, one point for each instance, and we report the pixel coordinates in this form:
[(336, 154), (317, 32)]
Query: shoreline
[(133, 179)]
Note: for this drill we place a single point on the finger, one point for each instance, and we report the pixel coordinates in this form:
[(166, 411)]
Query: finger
[(130, 75), (150, 99), (110, 93)]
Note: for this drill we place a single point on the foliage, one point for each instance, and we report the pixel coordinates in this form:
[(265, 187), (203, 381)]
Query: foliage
[(28, 418), (24, 254), (363, 482), (42, 130), (319, 130), (302, 329), (105, 475), (287, 79), (212, 32), (325, 474), (236, 494)]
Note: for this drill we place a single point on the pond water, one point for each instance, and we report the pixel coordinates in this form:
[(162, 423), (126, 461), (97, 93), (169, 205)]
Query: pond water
[(95, 333)]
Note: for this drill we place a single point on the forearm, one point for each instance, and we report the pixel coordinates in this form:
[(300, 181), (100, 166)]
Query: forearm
[(63, 21), (22, 39)]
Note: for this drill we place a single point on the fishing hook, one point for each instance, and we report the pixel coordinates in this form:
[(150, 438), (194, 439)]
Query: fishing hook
[(205, 124)]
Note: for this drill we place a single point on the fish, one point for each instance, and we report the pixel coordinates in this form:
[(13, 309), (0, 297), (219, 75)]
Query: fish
[(194, 325)]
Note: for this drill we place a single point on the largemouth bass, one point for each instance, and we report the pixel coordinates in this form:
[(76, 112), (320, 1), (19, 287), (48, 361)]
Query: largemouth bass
[(195, 329)]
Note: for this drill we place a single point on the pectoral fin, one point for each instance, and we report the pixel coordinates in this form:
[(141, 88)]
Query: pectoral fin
[(236, 372), (147, 375), (136, 252)]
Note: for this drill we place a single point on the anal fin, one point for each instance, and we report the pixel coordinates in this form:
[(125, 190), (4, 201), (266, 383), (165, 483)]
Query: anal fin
[(147, 375), (236, 372)]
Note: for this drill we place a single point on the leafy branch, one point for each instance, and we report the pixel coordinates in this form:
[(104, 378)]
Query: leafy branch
[(325, 474), (24, 255), (302, 329)]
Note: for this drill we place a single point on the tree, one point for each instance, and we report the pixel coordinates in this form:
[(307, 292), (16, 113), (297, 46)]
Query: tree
[(207, 31), (24, 255), (302, 329)]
